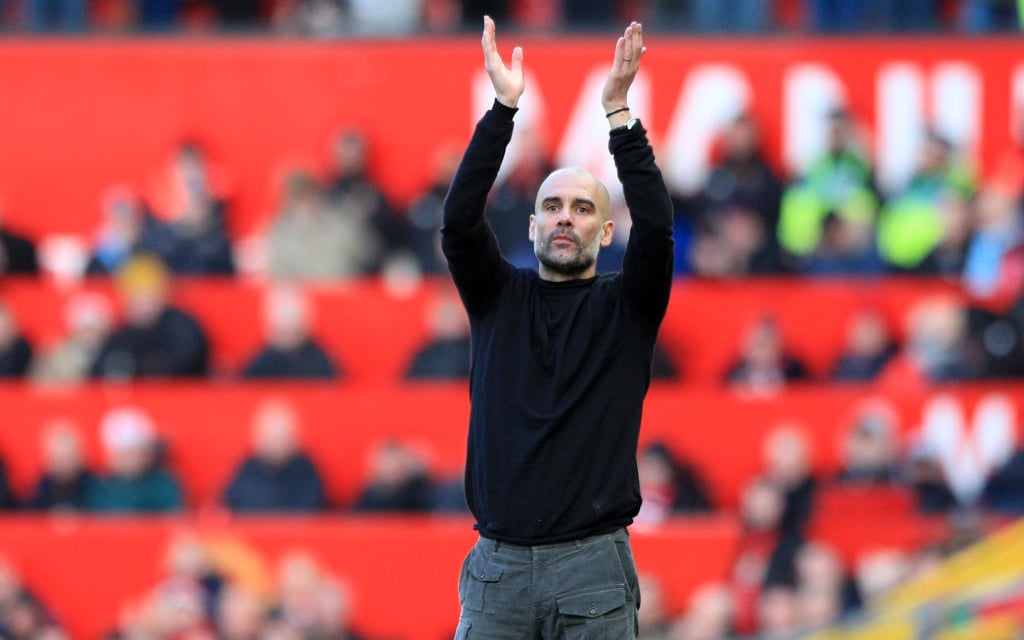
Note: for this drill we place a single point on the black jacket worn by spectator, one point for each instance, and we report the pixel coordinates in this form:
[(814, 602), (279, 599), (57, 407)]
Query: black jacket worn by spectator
[(174, 346), (307, 361), (54, 494), (292, 486), (17, 255), (15, 360), (559, 369)]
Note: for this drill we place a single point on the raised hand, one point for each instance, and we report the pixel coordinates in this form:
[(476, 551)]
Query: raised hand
[(508, 81), (628, 51)]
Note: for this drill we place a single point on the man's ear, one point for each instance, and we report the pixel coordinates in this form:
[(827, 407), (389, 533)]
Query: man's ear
[(607, 227), (533, 228)]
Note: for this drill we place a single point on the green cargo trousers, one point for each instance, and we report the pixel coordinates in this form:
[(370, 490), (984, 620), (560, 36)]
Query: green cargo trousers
[(585, 589)]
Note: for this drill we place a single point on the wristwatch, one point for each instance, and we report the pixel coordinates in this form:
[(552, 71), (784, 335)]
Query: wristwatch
[(625, 127)]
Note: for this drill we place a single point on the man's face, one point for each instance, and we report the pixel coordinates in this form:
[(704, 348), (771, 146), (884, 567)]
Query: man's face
[(570, 224)]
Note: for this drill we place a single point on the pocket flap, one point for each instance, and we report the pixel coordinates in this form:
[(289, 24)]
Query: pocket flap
[(592, 604), (483, 570)]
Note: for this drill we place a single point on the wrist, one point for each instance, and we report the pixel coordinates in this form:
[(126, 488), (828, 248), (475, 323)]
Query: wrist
[(511, 103), (618, 117)]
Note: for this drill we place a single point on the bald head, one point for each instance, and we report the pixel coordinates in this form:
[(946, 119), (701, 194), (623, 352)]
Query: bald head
[(570, 224), (576, 179)]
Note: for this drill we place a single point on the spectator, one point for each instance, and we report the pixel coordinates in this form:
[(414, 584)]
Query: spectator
[(910, 225), (189, 562), (652, 618), (423, 218), (240, 614), (846, 248), (15, 351), (17, 253), (193, 207), (744, 16), (126, 229), (446, 355), (868, 452), (869, 348), (156, 339), (765, 556), (310, 602), (668, 485), (787, 464), (839, 183), (357, 198), (317, 18), (311, 240), (879, 571), (824, 590), (985, 16), (923, 474), (835, 16), (778, 613), (278, 475), (742, 177), (89, 318), (999, 228), (764, 366), (709, 615), (731, 243), (938, 347), (290, 352), (949, 256), (398, 481), (6, 495), (136, 481), (450, 494), (21, 614), (66, 481), (1004, 489)]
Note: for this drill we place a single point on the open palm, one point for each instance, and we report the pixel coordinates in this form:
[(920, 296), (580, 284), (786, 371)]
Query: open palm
[(508, 81)]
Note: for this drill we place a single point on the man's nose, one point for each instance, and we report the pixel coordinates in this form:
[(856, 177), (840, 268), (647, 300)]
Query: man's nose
[(564, 218)]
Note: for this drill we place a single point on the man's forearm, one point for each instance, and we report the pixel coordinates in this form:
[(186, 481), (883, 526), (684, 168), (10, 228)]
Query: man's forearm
[(467, 197)]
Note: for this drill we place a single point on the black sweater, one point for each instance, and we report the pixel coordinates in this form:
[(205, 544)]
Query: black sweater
[(559, 369)]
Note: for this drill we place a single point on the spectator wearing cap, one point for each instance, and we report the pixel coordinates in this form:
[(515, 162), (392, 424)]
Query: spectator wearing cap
[(89, 318), (66, 481), (278, 476), (290, 351), (135, 481), (156, 340), (15, 351)]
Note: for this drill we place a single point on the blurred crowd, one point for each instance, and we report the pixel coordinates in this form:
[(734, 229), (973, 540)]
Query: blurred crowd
[(784, 578), (746, 220), (330, 18)]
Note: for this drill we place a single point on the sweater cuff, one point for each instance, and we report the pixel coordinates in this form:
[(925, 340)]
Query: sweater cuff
[(503, 112)]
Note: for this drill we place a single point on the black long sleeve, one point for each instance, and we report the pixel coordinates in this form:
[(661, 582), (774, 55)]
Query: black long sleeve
[(559, 370)]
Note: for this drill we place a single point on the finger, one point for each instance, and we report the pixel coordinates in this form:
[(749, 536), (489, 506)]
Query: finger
[(620, 51), (487, 40), (517, 59)]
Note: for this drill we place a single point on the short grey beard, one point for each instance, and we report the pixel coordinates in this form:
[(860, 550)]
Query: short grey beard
[(573, 266)]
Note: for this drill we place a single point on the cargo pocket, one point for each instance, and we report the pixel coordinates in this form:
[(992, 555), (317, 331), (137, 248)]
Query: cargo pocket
[(595, 615), (481, 580)]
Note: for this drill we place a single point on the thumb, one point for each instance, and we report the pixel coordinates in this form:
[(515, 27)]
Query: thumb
[(517, 59)]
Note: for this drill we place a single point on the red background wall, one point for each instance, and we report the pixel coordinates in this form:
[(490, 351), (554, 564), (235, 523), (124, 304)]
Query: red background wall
[(70, 107)]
